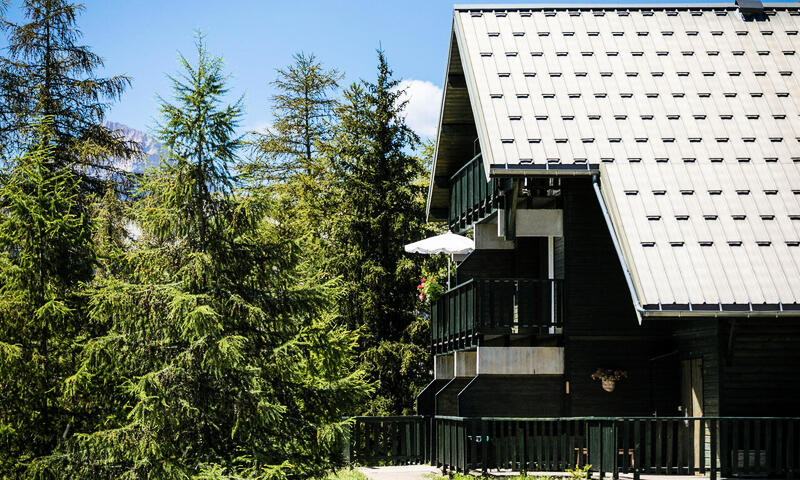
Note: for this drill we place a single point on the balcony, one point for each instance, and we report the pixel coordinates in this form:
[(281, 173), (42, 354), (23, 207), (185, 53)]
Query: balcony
[(472, 198), (482, 307)]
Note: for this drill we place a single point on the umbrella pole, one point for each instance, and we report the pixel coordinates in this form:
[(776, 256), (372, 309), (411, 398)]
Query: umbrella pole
[(449, 260)]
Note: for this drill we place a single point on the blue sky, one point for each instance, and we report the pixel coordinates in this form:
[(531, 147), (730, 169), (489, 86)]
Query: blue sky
[(141, 38)]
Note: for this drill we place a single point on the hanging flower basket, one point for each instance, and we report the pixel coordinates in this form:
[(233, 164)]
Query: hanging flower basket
[(608, 384), (429, 289), (609, 377)]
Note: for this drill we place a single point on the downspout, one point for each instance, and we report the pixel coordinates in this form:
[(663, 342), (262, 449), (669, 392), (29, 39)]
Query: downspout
[(625, 271)]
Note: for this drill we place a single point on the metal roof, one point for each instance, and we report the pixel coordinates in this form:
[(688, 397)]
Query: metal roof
[(691, 116), (616, 6), (579, 87)]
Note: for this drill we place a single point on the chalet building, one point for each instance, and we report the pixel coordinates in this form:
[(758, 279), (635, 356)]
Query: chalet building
[(631, 177)]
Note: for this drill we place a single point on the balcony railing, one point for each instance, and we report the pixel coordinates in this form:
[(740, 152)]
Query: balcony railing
[(713, 446), (472, 198), (495, 306)]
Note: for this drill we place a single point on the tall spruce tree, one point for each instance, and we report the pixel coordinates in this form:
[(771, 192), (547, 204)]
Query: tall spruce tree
[(49, 74), (218, 359), (379, 208), (45, 252)]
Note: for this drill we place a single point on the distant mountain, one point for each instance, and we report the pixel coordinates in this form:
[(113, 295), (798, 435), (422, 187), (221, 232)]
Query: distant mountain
[(149, 145)]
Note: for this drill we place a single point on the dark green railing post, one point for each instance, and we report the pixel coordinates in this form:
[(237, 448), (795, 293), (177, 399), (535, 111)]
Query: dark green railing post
[(356, 450), (712, 424), (484, 447), (462, 447), (594, 440), (614, 444), (637, 449), (524, 455), (790, 449), (346, 442)]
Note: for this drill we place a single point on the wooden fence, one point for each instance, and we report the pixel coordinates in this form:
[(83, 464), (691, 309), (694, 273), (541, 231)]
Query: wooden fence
[(713, 446)]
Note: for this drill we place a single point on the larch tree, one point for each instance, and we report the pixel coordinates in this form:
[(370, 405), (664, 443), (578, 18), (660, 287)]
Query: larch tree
[(218, 359), (302, 112), (285, 163), (379, 209), (48, 73), (45, 254)]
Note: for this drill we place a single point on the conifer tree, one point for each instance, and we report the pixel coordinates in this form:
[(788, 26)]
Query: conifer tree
[(217, 359), (286, 164), (379, 208), (302, 111), (49, 74), (45, 252)]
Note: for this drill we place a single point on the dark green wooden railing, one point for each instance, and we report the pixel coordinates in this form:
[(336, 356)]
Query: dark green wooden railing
[(713, 446), (495, 306), (387, 440), (472, 198)]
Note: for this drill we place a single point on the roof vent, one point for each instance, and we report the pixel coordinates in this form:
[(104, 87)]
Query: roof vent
[(751, 9)]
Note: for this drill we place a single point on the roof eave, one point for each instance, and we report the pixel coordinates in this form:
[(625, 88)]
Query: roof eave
[(474, 98), (432, 183), (616, 6), (717, 314)]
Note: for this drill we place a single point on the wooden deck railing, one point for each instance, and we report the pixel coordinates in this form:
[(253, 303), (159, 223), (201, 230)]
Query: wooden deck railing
[(472, 197), (713, 446), (387, 440), (495, 306)]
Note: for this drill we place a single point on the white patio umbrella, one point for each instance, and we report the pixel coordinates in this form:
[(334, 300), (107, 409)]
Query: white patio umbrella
[(449, 243)]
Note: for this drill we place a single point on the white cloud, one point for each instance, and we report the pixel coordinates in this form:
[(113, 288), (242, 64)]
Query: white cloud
[(424, 101), (259, 127)]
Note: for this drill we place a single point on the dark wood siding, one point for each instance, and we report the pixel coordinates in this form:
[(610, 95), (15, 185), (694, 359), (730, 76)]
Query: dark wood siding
[(642, 393), (528, 259), (601, 329), (761, 367), (447, 397), (512, 396), (486, 263), (598, 301), (426, 400)]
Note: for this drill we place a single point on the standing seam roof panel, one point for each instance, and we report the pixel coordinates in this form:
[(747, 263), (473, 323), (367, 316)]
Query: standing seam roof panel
[(674, 102)]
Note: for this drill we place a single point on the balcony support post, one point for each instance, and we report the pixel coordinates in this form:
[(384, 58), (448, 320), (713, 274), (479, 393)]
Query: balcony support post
[(511, 224)]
